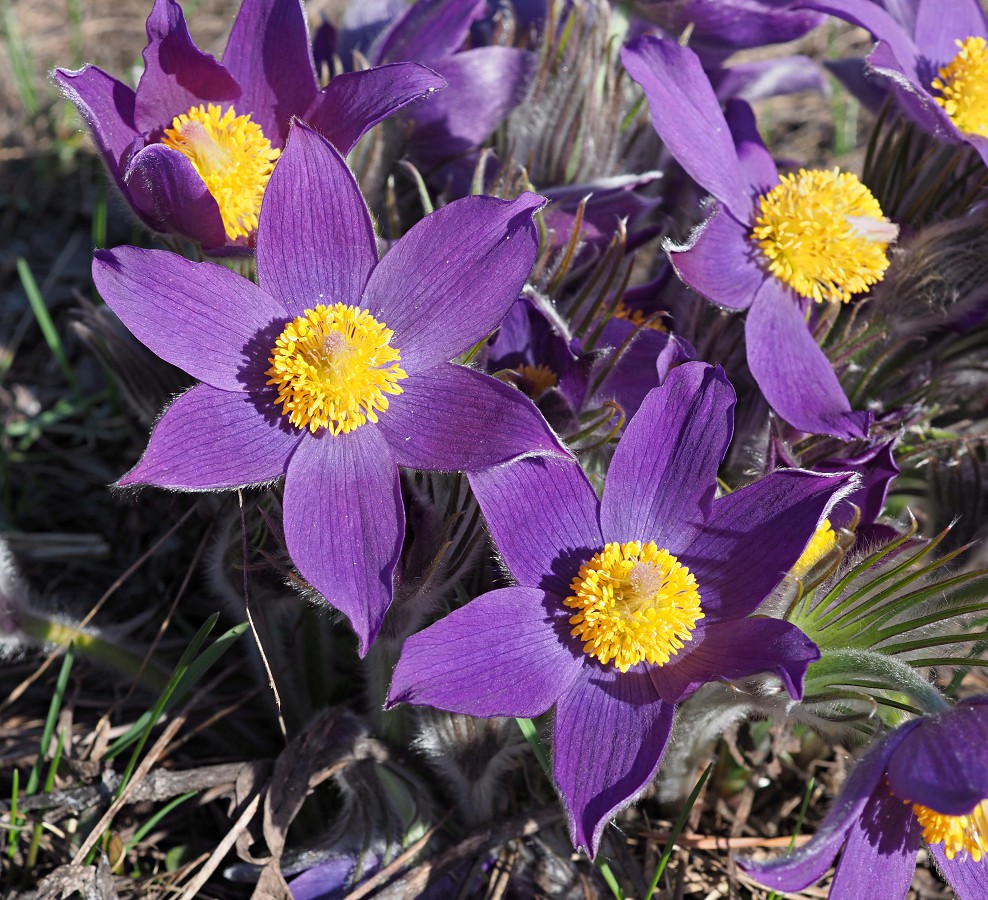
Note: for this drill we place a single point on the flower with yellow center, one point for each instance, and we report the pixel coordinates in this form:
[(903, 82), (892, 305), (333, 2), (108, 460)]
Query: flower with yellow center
[(958, 834), (232, 156), (333, 367), (636, 603), (823, 234), (821, 544), (962, 85), (536, 380)]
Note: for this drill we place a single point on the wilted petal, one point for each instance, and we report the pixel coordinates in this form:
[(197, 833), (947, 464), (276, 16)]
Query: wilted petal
[(942, 764), (610, 731), (177, 74), (270, 55), (451, 278), (210, 439), (504, 654), (720, 261), (344, 523), (315, 239), (687, 116), (352, 103), (107, 106), (171, 196), (455, 419), (755, 535), (792, 371), (542, 514), (663, 475), (170, 305), (729, 650)]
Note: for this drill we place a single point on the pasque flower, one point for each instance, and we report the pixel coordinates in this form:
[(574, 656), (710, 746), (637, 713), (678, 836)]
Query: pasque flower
[(194, 146), (773, 246), (926, 781), (626, 605), (334, 369), (935, 62)]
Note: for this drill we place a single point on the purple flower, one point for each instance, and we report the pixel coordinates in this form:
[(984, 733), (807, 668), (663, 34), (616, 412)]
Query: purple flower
[(935, 61), (926, 781), (334, 369), (773, 245), (193, 148), (624, 606)]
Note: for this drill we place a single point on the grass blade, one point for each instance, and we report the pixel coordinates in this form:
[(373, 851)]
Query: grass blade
[(44, 320)]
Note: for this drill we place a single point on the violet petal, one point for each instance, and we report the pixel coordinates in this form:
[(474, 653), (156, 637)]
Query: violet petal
[(662, 478), (455, 419), (451, 278), (169, 303), (759, 167), (792, 371), (344, 523), (321, 250), (969, 879), (542, 514), (610, 731), (503, 654), (940, 25), (430, 30), (209, 440)]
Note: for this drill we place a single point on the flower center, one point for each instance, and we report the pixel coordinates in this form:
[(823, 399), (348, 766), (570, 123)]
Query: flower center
[(963, 86), (823, 234), (233, 158), (636, 602), (636, 317), (333, 366), (823, 541), (957, 833), (536, 380)]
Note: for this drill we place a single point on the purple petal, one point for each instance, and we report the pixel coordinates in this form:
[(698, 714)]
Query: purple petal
[(877, 469), (721, 262), (940, 25), (430, 30), (755, 535), (352, 103), (881, 849), (507, 653), (170, 304), (729, 650), (759, 167), (808, 864), (942, 764), (210, 439), (663, 475), (853, 74), (763, 78), (107, 106), (171, 196), (610, 731), (344, 523), (315, 239), (969, 879), (451, 278), (269, 54), (455, 419), (873, 18), (542, 514), (484, 85), (792, 371), (177, 74), (688, 118)]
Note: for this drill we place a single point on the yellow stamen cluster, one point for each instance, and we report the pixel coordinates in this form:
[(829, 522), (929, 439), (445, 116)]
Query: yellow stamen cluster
[(963, 87), (957, 833), (333, 366), (536, 380), (636, 317), (233, 158), (823, 541), (636, 603), (823, 234)]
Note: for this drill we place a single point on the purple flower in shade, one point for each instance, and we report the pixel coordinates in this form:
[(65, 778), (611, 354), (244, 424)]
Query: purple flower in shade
[(773, 246), (926, 781), (934, 57), (194, 146), (624, 606), (333, 370)]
